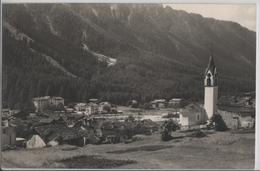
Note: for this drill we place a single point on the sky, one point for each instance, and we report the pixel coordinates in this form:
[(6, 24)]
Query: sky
[(244, 14)]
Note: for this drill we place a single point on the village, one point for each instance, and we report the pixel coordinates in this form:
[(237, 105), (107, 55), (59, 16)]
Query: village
[(83, 124)]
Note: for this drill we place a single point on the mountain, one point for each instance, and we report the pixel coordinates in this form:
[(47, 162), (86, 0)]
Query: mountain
[(119, 52)]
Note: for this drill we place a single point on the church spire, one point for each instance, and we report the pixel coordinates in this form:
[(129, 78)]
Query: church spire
[(211, 62), (211, 78), (211, 66)]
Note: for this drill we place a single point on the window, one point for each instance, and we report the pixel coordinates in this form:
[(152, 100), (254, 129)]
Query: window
[(208, 79), (198, 117)]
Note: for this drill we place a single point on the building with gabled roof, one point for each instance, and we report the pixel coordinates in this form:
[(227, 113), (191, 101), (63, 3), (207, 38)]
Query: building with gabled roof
[(192, 115)]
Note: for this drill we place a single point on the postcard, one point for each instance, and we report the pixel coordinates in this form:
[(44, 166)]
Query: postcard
[(128, 86)]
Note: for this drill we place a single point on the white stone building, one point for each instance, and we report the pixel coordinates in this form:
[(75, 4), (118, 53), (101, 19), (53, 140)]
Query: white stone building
[(8, 135), (42, 103), (192, 115)]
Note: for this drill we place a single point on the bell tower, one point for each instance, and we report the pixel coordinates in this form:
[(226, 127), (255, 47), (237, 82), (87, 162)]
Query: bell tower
[(211, 88)]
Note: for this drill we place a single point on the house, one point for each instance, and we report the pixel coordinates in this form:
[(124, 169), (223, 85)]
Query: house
[(6, 112), (53, 142), (87, 108), (59, 134), (236, 117), (241, 100), (158, 103), (247, 122), (93, 101), (35, 141), (80, 107), (110, 132), (8, 136), (43, 103), (92, 108), (21, 142), (175, 103), (69, 110), (192, 115)]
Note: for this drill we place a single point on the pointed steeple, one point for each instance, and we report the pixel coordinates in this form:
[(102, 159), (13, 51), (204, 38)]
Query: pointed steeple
[(211, 66)]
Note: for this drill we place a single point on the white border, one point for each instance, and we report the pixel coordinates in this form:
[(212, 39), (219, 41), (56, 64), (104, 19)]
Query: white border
[(257, 133), (1, 71)]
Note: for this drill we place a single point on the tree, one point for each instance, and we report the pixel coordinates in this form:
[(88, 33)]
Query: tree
[(47, 92), (217, 122), (107, 108), (167, 128)]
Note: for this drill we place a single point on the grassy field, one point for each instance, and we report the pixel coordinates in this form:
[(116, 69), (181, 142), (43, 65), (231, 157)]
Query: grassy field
[(218, 150)]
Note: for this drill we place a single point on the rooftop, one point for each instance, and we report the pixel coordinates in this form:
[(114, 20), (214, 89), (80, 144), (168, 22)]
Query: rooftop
[(158, 101), (244, 111), (58, 98), (47, 98), (192, 108), (41, 98)]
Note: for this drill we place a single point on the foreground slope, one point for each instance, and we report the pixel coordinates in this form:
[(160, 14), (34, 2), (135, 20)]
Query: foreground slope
[(219, 150)]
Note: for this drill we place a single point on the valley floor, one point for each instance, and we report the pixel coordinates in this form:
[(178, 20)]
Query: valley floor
[(218, 150)]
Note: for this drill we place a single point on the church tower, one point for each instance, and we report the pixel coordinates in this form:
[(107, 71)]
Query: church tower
[(211, 88)]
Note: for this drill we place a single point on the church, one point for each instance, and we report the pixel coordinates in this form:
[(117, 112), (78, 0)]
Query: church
[(197, 114)]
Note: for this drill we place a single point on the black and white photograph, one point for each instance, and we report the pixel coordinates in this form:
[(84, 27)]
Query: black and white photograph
[(128, 85)]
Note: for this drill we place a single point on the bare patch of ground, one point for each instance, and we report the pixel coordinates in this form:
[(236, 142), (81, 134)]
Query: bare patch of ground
[(96, 162), (141, 148)]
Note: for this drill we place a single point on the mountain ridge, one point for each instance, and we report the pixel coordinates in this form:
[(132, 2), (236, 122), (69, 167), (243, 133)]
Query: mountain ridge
[(159, 52)]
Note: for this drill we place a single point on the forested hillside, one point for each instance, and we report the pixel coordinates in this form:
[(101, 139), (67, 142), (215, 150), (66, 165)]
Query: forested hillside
[(156, 52)]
